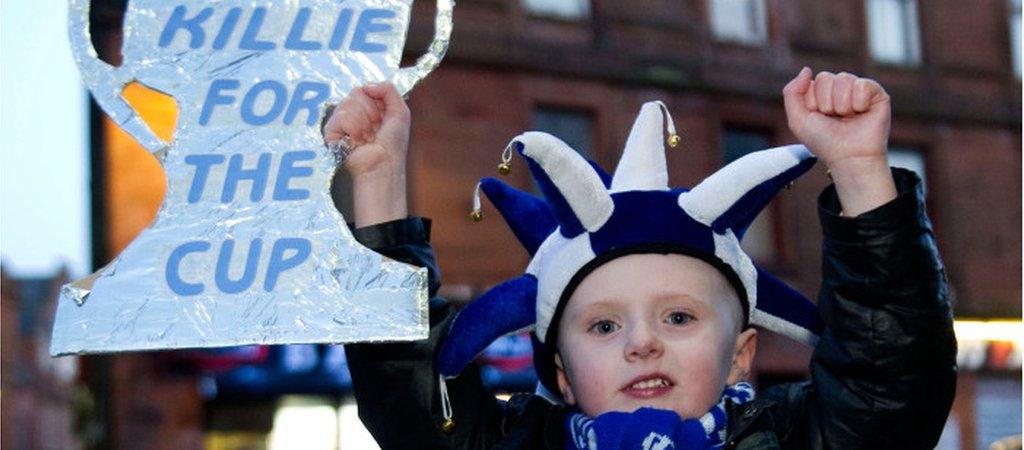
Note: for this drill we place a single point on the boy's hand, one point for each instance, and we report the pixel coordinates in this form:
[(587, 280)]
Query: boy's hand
[(844, 120), (373, 121)]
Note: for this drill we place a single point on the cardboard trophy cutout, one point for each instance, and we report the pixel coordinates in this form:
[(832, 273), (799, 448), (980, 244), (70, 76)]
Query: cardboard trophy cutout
[(247, 247)]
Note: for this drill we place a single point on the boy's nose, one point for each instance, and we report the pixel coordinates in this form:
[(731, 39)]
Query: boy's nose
[(642, 344)]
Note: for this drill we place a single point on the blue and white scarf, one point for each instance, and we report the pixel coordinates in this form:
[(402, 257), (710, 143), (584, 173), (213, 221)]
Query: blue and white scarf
[(655, 429)]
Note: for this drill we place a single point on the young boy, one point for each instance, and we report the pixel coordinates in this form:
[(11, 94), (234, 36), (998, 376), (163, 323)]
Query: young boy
[(649, 346)]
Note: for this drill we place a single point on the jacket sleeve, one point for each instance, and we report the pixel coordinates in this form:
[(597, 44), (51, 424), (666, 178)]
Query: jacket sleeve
[(884, 372), (395, 384)]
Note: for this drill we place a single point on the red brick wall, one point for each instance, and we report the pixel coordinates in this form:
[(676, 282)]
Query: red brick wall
[(463, 117), (38, 407), (961, 108)]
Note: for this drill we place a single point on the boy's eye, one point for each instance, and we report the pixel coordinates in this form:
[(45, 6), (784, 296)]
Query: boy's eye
[(679, 318), (604, 327)]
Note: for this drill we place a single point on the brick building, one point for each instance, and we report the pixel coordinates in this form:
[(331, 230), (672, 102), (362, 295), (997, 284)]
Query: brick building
[(581, 69), (956, 115), (40, 395)]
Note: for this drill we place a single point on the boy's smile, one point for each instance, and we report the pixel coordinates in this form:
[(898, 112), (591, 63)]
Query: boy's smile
[(649, 386), (657, 330)]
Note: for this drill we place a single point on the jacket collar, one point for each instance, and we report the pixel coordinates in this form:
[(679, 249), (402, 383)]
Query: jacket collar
[(742, 417)]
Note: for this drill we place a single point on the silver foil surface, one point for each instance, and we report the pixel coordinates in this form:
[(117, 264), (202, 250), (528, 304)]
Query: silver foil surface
[(247, 247)]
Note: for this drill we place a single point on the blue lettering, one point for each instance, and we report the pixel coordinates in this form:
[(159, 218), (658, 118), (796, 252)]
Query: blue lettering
[(193, 26), (294, 40), (236, 173), (308, 97), (227, 28), (278, 263), (368, 25), (341, 29), (214, 97), (287, 171), (177, 285), (203, 164), (223, 278), (252, 30), (300, 101), (280, 94)]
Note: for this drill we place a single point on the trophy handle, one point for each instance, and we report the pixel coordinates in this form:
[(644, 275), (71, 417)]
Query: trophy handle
[(106, 82), (407, 77)]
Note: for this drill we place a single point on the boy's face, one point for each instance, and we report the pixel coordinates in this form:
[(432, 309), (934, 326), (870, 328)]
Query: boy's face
[(661, 331)]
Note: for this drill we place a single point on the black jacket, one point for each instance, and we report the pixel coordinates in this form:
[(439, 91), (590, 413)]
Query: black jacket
[(882, 376)]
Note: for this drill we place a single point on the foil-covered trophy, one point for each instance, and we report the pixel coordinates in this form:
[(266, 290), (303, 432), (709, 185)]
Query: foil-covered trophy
[(247, 247)]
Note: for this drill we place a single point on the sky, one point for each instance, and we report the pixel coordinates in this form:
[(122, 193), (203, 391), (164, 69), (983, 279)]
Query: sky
[(44, 160)]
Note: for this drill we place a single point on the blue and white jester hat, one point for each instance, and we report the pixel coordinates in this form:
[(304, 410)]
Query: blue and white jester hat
[(589, 218)]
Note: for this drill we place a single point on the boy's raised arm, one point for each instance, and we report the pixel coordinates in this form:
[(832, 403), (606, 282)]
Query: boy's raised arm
[(395, 384), (884, 373), (372, 123)]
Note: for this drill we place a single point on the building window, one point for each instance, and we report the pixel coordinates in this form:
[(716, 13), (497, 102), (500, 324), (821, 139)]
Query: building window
[(893, 33), (307, 422), (740, 21), (911, 159), (559, 9), (575, 127), (760, 240), (1015, 36)]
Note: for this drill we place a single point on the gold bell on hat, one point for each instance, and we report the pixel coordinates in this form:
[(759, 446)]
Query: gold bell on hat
[(446, 406), (477, 214), (505, 168), (673, 140)]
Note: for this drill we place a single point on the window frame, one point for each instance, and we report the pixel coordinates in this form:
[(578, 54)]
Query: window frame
[(923, 148), (589, 114), (779, 257), (755, 37), (592, 133), (1014, 31), (912, 54), (536, 8), (897, 148)]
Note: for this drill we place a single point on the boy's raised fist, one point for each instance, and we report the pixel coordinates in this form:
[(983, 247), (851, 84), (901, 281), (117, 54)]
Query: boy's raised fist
[(844, 120), (839, 117), (373, 121)]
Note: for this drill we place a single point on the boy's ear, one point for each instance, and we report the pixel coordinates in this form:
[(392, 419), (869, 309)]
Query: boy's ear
[(743, 356), (563, 381)]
